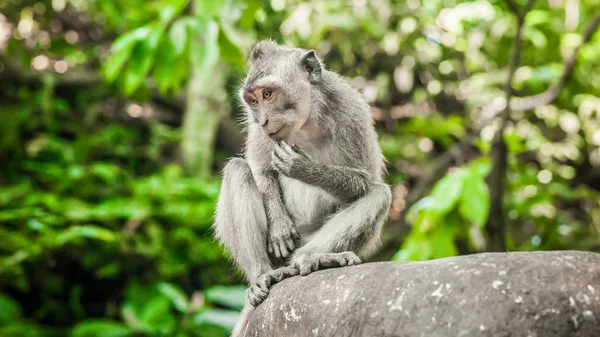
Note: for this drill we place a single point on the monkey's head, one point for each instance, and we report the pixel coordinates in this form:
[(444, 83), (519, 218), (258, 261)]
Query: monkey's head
[(277, 90)]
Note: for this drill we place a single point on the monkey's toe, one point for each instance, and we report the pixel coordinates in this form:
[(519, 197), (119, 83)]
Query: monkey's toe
[(351, 258), (257, 293), (308, 266), (313, 262)]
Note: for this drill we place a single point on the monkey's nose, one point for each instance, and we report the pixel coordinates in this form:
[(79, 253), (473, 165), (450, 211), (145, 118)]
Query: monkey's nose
[(265, 122)]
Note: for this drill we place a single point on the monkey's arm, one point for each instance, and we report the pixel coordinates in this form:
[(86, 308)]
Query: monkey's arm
[(346, 183), (282, 236)]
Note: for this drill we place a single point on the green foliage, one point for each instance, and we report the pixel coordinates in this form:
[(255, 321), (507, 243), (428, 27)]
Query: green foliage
[(171, 44), (456, 209), (103, 234)]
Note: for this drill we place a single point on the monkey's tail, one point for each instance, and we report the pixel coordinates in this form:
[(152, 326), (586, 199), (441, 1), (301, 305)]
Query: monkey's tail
[(239, 330)]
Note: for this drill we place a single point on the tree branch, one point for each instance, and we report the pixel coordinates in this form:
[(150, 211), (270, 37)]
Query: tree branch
[(495, 222)]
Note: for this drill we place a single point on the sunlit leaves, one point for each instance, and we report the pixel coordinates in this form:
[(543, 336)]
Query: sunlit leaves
[(210, 8), (171, 8), (101, 328), (446, 192), (132, 57), (475, 200), (229, 51), (177, 297), (178, 34), (89, 232), (232, 297), (219, 317), (166, 49), (459, 200), (141, 61), (121, 52)]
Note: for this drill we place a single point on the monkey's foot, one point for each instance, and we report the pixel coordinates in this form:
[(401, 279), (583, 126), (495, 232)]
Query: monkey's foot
[(259, 289), (307, 263)]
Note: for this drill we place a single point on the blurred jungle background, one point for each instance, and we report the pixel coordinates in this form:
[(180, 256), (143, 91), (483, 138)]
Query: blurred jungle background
[(117, 116)]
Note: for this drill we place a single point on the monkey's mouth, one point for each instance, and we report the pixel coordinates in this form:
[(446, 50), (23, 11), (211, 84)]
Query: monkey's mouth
[(281, 133)]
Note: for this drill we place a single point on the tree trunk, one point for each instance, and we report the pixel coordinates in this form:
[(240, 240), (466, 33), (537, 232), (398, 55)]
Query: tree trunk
[(206, 102)]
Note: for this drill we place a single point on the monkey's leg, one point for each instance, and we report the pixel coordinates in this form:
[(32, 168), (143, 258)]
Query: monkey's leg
[(352, 232), (240, 220)]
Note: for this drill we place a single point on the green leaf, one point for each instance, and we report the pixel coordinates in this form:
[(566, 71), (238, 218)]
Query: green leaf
[(416, 247), (89, 232), (229, 51), (175, 295), (170, 9), (442, 241), (475, 200), (209, 8), (423, 204), (142, 60), (249, 13), (230, 296), (23, 328), (481, 166), (10, 310), (447, 192), (115, 63), (178, 36), (101, 328), (536, 17), (156, 316), (121, 51), (218, 317)]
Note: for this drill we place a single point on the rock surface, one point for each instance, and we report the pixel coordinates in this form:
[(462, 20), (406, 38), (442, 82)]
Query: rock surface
[(536, 294)]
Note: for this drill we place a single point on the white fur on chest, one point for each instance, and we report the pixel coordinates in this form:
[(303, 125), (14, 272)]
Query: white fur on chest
[(308, 206)]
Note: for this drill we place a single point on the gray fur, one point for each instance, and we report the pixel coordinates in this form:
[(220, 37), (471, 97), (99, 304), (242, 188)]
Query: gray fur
[(309, 193)]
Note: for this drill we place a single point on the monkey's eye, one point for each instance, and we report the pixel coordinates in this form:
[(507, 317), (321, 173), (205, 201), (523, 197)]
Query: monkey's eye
[(253, 101), (267, 94)]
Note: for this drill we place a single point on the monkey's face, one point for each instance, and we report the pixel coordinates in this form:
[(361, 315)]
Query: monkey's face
[(278, 111), (277, 91)]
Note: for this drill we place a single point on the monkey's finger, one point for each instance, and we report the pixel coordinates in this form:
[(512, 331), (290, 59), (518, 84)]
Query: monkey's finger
[(285, 146), (280, 155), (284, 250), (295, 235), (278, 165), (291, 245), (275, 159), (306, 268), (277, 251), (300, 151), (284, 151)]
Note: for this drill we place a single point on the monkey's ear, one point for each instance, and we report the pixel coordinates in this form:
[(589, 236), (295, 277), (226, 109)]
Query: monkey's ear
[(312, 65)]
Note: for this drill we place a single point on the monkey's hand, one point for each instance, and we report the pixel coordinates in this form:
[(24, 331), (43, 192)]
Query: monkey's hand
[(283, 238), (290, 162)]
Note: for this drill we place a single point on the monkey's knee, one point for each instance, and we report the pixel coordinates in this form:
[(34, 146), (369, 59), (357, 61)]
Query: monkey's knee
[(236, 168), (237, 197)]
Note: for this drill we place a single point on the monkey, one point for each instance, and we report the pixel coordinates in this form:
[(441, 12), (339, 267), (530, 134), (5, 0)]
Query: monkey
[(308, 192)]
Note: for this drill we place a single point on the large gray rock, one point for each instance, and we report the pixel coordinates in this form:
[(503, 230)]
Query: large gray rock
[(541, 294)]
